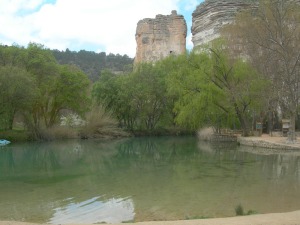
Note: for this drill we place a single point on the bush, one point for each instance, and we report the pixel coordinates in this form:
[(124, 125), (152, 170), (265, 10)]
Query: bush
[(239, 210), (100, 124)]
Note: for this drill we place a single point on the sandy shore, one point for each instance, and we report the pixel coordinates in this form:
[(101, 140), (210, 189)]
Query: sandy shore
[(268, 142), (290, 218)]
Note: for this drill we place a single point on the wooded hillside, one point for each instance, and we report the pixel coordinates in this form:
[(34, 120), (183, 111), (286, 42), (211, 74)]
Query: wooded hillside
[(91, 63)]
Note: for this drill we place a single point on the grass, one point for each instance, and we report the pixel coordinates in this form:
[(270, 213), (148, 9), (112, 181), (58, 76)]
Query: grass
[(15, 135), (239, 211)]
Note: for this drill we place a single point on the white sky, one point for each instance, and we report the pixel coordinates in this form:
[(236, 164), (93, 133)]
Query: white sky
[(93, 25)]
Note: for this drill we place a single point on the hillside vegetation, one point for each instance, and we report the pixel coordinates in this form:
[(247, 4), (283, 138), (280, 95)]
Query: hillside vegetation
[(92, 63)]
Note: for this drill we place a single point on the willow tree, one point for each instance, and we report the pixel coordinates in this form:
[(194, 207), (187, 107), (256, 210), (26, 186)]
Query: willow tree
[(214, 89), (269, 37), (238, 86), (188, 83)]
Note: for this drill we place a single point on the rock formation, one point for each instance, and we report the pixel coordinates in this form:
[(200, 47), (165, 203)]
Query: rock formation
[(160, 37), (211, 15)]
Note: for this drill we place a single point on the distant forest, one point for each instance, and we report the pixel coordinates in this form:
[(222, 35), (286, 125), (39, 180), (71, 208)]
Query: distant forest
[(93, 63)]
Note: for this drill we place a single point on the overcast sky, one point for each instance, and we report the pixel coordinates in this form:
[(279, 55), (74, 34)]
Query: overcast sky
[(93, 25)]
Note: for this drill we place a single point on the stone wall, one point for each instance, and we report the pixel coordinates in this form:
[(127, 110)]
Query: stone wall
[(160, 37)]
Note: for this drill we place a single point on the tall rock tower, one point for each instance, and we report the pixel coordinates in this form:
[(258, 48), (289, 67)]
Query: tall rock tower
[(211, 15), (157, 38)]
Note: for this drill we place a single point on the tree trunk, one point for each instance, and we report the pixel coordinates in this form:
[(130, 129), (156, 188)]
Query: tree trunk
[(270, 122), (243, 121), (292, 134)]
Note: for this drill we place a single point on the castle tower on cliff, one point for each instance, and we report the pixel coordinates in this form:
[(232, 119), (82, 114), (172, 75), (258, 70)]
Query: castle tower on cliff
[(157, 38)]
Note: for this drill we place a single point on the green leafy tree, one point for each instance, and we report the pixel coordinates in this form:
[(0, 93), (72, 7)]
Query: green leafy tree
[(114, 93), (42, 65), (149, 94), (70, 91), (238, 87), (12, 56), (58, 88), (269, 38), (214, 90), (138, 99), (17, 93), (189, 82)]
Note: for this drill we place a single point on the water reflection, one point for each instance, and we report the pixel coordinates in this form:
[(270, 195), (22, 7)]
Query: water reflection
[(94, 211), (166, 179)]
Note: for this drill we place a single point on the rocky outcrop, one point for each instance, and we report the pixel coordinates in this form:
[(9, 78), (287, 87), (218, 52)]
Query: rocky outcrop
[(211, 15), (160, 37)]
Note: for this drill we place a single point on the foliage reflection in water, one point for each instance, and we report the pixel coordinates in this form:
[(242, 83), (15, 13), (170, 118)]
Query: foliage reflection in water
[(142, 179)]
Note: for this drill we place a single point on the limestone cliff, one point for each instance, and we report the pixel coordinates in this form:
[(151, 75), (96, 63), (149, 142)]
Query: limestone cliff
[(160, 37), (211, 15)]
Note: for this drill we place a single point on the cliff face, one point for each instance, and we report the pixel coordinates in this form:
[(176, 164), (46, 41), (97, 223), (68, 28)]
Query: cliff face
[(160, 37), (211, 15)]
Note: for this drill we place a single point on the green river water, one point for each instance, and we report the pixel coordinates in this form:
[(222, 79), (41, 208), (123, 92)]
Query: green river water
[(141, 179)]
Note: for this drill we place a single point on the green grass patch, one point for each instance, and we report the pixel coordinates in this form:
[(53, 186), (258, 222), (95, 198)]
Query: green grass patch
[(239, 211), (15, 135)]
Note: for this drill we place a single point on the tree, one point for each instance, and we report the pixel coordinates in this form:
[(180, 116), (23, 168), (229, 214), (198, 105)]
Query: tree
[(137, 99), (149, 94), (58, 88), (70, 91), (214, 89), (270, 39), (239, 87), (188, 83), (113, 92), (17, 92), (12, 56)]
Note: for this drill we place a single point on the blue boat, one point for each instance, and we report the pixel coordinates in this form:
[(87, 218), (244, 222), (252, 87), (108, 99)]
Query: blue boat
[(4, 142)]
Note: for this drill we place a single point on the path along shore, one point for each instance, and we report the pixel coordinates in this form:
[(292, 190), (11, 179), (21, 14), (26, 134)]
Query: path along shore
[(289, 218), (266, 141)]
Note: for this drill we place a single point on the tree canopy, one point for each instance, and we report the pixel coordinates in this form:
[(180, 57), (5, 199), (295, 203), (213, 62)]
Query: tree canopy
[(35, 86), (269, 38)]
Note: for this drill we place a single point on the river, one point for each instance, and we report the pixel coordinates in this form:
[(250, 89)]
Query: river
[(142, 179)]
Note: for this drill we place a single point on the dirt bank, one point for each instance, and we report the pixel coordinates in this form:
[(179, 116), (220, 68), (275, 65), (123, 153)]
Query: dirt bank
[(290, 218), (266, 141)]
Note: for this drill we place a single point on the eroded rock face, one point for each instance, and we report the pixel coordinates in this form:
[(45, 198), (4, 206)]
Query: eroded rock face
[(211, 15), (160, 37)]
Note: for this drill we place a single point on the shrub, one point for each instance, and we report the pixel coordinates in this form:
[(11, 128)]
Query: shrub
[(101, 124), (239, 210)]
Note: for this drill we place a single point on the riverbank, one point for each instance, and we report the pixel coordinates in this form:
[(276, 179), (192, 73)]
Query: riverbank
[(266, 141), (289, 218)]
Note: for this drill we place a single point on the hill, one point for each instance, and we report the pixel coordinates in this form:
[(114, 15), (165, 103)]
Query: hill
[(93, 63)]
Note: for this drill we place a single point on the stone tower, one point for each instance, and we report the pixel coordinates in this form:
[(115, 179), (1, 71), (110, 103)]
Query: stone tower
[(157, 38)]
